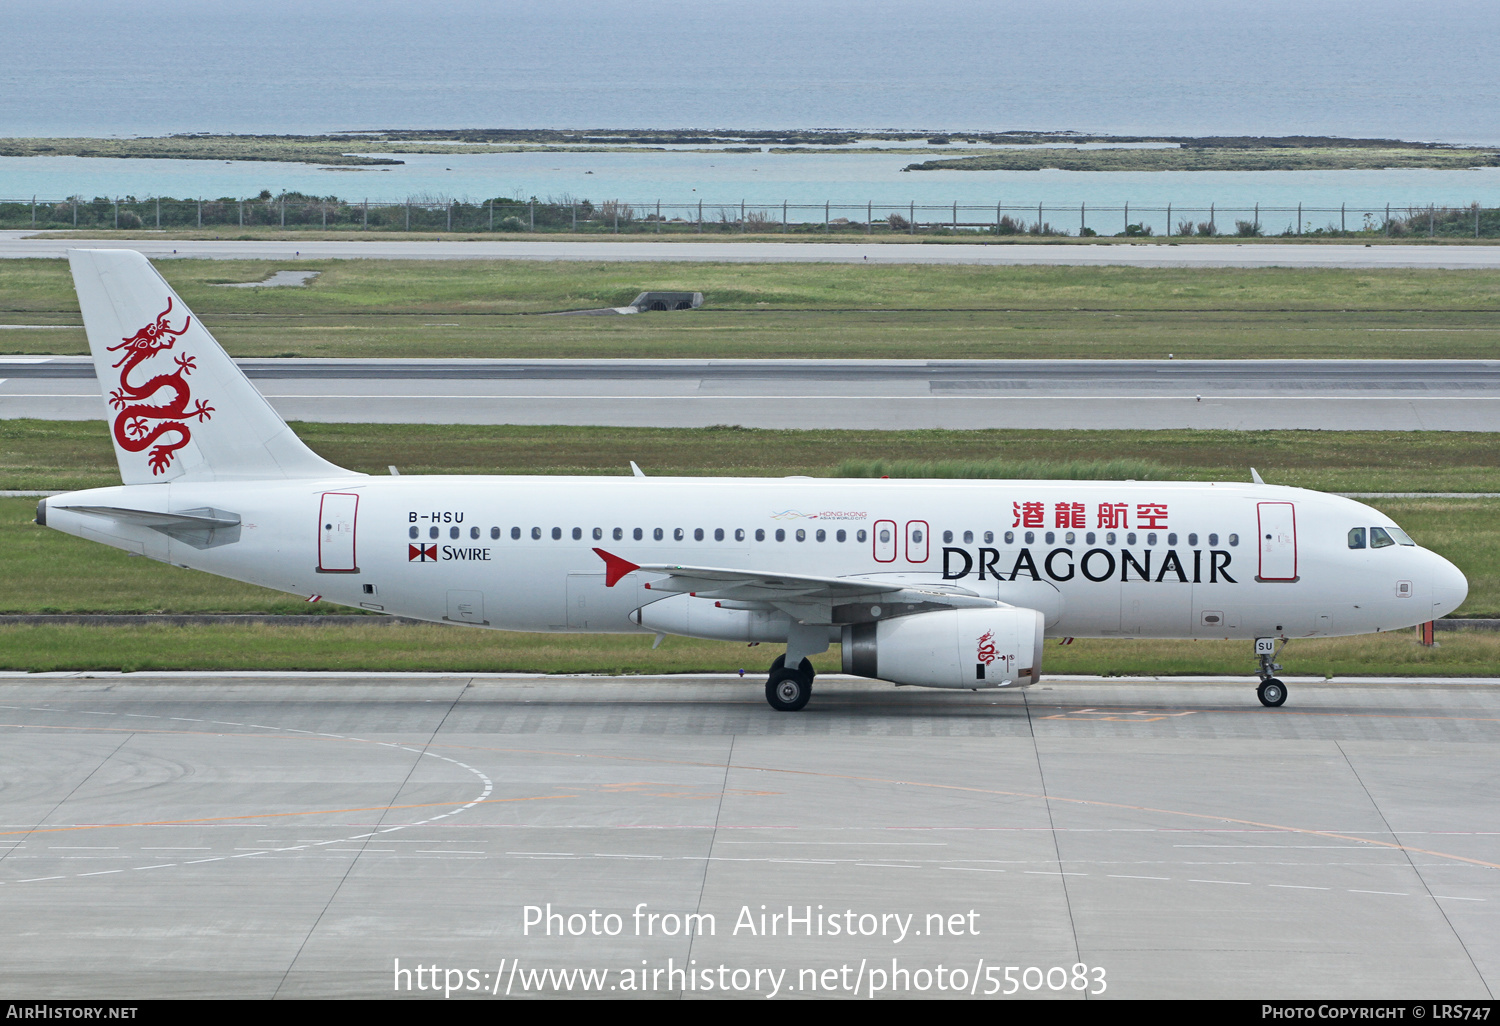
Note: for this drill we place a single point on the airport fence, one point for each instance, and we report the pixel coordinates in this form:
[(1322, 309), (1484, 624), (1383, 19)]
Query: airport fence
[(502, 215)]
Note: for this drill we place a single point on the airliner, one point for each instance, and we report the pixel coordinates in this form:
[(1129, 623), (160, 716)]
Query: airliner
[(943, 584)]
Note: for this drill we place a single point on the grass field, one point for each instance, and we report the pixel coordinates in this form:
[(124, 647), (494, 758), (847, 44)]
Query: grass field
[(380, 308), (42, 454), (46, 571), (441, 648)]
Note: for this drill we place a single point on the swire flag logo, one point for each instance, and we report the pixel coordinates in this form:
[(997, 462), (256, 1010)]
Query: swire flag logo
[(421, 553)]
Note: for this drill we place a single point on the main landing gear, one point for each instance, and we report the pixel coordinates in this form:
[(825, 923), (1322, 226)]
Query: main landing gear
[(1271, 691), (789, 690)]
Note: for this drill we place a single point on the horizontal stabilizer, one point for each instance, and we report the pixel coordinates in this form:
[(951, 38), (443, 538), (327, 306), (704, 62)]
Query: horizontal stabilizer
[(202, 528)]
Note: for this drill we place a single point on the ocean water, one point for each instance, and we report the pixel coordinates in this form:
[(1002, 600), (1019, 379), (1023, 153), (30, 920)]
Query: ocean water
[(1420, 69), (1415, 69)]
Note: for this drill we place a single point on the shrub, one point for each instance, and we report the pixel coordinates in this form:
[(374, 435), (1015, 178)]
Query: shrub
[(129, 219), (1246, 229), (1136, 230), (898, 223), (1009, 226), (1184, 227), (1207, 228)]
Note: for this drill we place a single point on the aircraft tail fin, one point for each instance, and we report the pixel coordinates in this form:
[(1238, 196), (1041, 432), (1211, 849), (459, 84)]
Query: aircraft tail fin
[(178, 406)]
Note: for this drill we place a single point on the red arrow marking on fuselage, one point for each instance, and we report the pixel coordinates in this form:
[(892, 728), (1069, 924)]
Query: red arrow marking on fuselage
[(614, 567)]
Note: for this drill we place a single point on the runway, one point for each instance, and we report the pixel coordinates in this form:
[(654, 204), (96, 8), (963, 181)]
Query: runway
[(1446, 395), (17, 244), (308, 835)]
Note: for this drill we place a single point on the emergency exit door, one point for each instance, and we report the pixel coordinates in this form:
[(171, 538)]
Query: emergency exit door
[(336, 520), (1278, 541)]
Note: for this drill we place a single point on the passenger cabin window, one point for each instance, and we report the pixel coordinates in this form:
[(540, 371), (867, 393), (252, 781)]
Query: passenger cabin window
[(840, 535), (452, 532), (968, 537), (412, 532), (739, 534), (1234, 539), (822, 535), (536, 534), (801, 534), (677, 534), (619, 533), (718, 534), (1379, 539), (780, 534), (557, 534), (494, 533), (432, 532), (1010, 537), (473, 532), (577, 533), (637, 534), (859, 535), (598, 534), (657, 534), (1356, 537), (947, 537), (515, 533), (760, 534)]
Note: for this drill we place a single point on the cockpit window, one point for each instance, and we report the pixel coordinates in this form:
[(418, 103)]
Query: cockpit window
[(1379, 539), (1402, 538), (1357, 538)]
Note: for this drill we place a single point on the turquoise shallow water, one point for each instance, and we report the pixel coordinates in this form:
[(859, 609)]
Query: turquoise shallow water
[(720, 180)]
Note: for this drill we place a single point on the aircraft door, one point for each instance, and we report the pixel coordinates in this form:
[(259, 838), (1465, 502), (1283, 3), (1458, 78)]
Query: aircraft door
[(1278, 541), (336, 522), (884, 537)]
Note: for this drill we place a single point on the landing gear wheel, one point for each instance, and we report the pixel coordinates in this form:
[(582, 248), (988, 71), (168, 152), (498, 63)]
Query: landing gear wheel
[(1272, 692), (788, 691)]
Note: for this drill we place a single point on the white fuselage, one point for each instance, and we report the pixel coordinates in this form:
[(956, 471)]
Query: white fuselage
[(1098, 559)]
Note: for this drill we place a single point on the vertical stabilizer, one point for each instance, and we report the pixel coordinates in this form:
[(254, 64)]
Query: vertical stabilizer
[(178, 407)]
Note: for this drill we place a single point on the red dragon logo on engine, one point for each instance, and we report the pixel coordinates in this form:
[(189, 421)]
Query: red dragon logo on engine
[(139, 424), (986, 653)]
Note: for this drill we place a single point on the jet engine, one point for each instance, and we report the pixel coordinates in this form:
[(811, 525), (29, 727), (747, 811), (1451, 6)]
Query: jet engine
[(949, 648)]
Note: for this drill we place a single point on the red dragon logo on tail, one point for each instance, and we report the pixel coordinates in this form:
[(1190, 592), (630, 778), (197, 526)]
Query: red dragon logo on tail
[(138, 424)]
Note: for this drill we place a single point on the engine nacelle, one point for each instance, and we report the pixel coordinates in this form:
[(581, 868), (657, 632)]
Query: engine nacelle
[(950, 648)]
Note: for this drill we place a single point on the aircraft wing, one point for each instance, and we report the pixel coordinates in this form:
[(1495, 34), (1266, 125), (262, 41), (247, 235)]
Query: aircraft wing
[(805, 597)]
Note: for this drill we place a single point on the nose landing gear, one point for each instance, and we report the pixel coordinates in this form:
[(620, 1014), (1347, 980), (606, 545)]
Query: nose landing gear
[(789, 690), (1271, 691)]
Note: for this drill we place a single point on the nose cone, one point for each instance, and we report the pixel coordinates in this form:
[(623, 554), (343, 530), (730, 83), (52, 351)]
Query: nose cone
[(1449, 586)]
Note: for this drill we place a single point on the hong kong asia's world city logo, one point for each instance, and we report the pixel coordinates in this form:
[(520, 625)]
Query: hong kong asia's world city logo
[(141, 424)]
